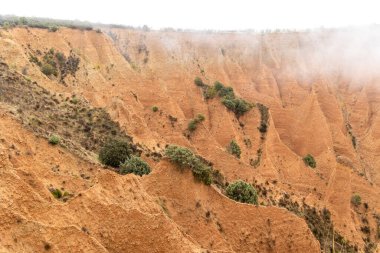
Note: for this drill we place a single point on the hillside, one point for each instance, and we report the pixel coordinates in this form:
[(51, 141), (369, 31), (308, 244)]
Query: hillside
[(322, 96)]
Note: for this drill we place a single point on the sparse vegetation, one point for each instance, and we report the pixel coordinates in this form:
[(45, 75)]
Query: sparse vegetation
[(115, 152), (155, 109), (234, 149), (264, 114), (192, 126), (57, 193), (242, 192), (356, 200), (310, 161), (320, 224), (198, 81), (80, 127), (48, 69), (135, 165), (184, 158), (353, 138), (55, 63), (54, 140), (237, 105)]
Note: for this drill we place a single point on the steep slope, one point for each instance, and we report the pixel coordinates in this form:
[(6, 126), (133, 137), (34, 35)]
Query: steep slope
[(314, 107)]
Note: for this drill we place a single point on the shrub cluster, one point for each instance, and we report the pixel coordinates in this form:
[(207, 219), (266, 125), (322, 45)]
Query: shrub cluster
[(55, 63), (192, 126), (134, 165), (264, 113), (242, 192), (57, 193), (184, 158), (119, 154), (115, 152), (155, 109), (310, 161), (237, 105), (234, 149)]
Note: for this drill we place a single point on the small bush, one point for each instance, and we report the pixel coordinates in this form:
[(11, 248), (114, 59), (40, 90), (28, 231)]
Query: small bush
[(218, 85), (48, 69), (54, 140), (203, 173), (198, 81), (242, 192), (53, 28), (192, 126), (263, 127), (200, 117), (356, 200), (114, 153), (234, 149), (155, 109), (227, 92), (209, 92), (57, 193), (74, 100), (135, 165), (183, 158), (310, 161)]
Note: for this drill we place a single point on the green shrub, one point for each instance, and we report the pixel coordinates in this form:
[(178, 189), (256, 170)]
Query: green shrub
[(237, 105), (114, 153), (57, 193), (48, 69), (234, 149), (218, 85), (264, 113), (53, 28), (134, 165), (356, 200), (241, 106), (198, 81), (192, 126), (310, 161), (242, 192), (200, 117), (181, 156), (74, 100), (203, 173), (54, 140), (209, 92), (226, 92), (184, 158), (155, 109)]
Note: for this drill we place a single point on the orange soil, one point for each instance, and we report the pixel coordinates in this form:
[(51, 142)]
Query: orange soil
[(309, 109)]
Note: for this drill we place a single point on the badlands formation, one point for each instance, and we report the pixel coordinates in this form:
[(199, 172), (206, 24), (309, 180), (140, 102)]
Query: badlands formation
[(316, 93)]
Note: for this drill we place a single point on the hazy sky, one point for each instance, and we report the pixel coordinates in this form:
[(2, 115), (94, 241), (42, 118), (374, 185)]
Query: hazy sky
[(205, 14)]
